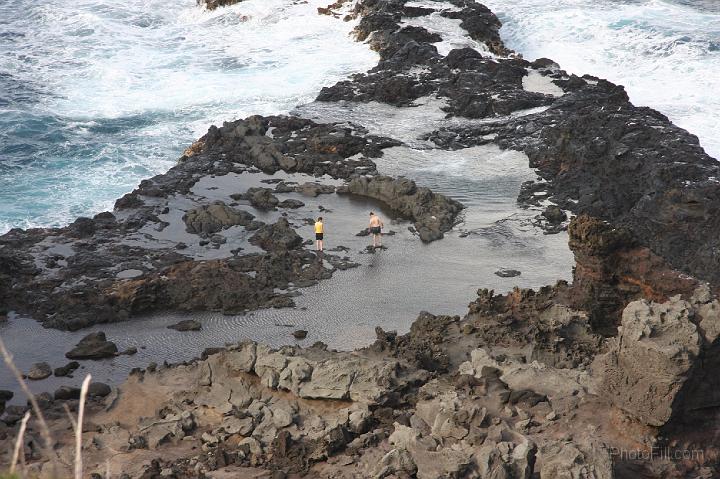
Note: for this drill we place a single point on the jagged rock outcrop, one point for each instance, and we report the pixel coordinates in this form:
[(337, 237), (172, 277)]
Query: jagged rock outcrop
[(93, 346), (432, 213), (658, 366), (213, 4), (210, 219)]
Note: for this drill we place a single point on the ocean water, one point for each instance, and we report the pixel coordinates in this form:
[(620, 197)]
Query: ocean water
[(96, 95), (665, 52)]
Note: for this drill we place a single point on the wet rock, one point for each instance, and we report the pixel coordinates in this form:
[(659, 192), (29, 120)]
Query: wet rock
[(314, 189), (554, 214), (6, 395), (433, 214), (98, 390), (291, 204), (93, 346), (260, 198), (66, 370), (209, 219), (213, 4), (277, 237), (39, 371), (13, 414), (43, 399), (130, 351), (186, 325), (507, 273), (300, 334), (64, 393)]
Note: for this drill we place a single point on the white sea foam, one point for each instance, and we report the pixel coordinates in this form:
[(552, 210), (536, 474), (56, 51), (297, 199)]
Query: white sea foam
[(102, 94), (665, 53)]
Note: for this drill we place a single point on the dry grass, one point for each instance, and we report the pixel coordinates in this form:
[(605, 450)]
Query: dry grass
[(48, 443)]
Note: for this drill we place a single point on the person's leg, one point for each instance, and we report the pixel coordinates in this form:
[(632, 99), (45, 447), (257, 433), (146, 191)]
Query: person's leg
[(320, 243)]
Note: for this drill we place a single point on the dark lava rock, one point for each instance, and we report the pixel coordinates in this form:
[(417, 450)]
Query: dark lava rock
[(291, 204), (186, 325), (44, 400), (277, 237), (13, 414), (432, 213), (98, 390), (66, 370), (39, 371), (213, 4), (300, 334), (130, 351), (554, 214), (93, 346), (210, 219), (260, 198), (63, 393), (507, 273), (314, 189), (6, 395)]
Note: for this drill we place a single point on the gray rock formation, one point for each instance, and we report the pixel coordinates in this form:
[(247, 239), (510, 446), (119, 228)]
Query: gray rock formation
[(210, 219), (93, 346), (433, 213)]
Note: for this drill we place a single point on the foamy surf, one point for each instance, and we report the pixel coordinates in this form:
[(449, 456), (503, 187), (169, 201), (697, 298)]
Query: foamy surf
[(97, 95), (665, 53)]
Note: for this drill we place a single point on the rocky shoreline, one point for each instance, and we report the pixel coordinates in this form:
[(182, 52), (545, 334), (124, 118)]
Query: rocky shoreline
[(583, 379)]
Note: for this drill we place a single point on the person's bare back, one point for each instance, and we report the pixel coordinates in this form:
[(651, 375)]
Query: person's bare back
[(376, 226)]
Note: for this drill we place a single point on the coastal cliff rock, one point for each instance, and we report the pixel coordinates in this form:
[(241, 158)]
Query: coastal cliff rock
[(547, 383), (432, 213), (137, 260)]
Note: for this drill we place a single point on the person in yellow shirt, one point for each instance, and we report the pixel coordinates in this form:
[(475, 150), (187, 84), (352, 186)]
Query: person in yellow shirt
[(319, 232)]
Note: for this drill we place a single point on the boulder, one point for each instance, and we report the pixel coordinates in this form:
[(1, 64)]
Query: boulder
[(93, 346), (567, 460), (291, 204), (433, 214), (64, 393), (278, 237), (213, 4), (650, 360), (98, 390), (554, 214), (186, 325), (300, 334), (39, 371), (507, 273), (209, 219), (66, 370), (314, 189), (260, 198)]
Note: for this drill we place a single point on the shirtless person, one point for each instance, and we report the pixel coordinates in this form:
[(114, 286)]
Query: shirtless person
[(376, 227), (319, 234)]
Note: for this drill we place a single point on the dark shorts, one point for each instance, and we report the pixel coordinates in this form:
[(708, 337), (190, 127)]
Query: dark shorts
[(319, 236), (375, 230)]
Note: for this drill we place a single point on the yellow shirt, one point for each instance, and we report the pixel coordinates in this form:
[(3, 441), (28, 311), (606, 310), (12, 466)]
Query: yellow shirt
[(319, 227)]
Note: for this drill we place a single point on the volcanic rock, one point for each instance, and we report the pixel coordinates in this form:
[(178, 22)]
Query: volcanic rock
[(186, 325), (66, 370), (277, 237), (210, 219), (39, 371), (93, 346)]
